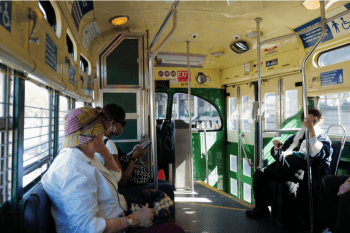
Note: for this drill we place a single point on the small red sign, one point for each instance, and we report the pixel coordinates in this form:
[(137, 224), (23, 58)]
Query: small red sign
[(182, 76)]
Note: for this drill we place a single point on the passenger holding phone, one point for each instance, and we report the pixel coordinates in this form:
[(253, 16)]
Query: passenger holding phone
[(116, 116)]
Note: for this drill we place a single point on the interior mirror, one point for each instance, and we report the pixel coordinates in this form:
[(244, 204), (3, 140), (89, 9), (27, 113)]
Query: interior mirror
[(255, 109)]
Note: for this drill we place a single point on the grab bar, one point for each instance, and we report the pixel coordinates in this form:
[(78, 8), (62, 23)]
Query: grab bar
[(245, 153), (281, 130)]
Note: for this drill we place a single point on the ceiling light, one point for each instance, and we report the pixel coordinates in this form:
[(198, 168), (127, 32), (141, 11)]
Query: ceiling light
[(252, 35), (119, 20), (311, 4), (217, 54)]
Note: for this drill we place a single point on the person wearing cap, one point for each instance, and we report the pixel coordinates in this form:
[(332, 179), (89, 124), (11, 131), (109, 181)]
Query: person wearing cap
[(292, 169), (83, 191)]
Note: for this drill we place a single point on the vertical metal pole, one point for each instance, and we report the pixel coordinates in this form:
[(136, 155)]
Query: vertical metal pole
[(206, 155), (239, 103), (189, 116), (56, 124), (305, 106), (261, 162)]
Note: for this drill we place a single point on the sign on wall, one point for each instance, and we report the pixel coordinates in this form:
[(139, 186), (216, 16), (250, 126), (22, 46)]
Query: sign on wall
[(332, 77), (165, 59), (334, 29), (6, 14), (90, 33), (79, 9), (50, 53), (71, 74)]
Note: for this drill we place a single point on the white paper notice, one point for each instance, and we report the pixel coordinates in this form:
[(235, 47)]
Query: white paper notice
[(90, 33), (247, 171), (233, 163), (234, 186), (247, 192)]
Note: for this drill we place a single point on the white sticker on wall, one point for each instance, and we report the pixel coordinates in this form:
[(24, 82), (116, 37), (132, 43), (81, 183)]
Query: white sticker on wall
[(247, 171), (234, 186), (233, 163), (247, 192)]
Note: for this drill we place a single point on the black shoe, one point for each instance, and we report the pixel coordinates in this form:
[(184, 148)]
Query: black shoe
[(257, 212)]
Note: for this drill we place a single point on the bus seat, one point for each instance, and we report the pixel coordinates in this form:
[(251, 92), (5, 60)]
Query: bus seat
[(338, 147), (36, 212)]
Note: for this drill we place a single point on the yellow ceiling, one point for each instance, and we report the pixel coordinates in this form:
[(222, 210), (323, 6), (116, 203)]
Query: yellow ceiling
[(215, 22)]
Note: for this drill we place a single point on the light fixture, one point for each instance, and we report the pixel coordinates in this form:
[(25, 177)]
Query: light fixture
[(119, 20), (252, 35), (218, 53), (201, 78), (311, 4)]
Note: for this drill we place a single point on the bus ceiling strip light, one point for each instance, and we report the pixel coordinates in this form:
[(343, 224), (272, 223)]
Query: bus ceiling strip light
[(119, 20)]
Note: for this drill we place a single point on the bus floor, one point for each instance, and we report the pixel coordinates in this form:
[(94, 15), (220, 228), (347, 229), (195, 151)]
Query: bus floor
[(209, 210)]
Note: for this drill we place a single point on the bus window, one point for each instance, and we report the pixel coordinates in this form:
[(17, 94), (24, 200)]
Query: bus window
[(201, 111), (246, 114), (291, 103), (233, 114), (6, 117), (37, 145), (270, 110), (334, 56), (48, 13), (63, 110), (161, 105), (335, 110), (79, 104)]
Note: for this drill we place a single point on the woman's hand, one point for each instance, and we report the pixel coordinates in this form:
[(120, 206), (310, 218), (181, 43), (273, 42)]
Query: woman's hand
[(344, 188), (143, 217), (309, 125), (137, 147), (275, 144), (139, 153)]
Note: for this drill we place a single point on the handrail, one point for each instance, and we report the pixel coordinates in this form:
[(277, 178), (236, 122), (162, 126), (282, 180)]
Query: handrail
[(344, 131), (281, 130), (245, 153), (163, 24), (152, 97)]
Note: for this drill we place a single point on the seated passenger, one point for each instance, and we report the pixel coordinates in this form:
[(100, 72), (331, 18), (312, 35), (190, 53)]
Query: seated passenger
[(134, 171), (290, 171), (83, 191), (334, 204)]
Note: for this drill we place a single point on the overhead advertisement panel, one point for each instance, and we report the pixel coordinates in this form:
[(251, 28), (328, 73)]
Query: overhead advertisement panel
[(90, 33), (79, 9), (334, 29)]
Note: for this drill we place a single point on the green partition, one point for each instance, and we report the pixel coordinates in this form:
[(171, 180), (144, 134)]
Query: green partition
[(129, 132), (122, 64), (127, 101)]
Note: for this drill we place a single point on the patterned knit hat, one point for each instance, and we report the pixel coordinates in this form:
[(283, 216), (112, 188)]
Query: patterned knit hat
[(82, 125)]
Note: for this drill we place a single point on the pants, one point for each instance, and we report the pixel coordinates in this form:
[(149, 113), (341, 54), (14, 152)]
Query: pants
[(291, 181), (333, 210)]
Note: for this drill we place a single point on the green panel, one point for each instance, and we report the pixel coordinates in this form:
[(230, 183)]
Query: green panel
[(126, 147), (129, 132), (250, 149), (122, 66), (125, 100), (198, 158)]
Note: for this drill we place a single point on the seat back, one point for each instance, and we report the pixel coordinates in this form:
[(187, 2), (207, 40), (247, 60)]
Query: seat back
[(36, 212), (337, 149)]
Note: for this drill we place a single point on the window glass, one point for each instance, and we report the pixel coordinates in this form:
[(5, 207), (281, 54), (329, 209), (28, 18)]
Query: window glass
[(6, 135), (270, 110), (63, 110), (334, 56), (79, 104), (36, 131), (335, 110), (291, 103), (161, 105), (247, 115), (48, 13), (84, 65), (203, 113), (233, 114), (70, 46)]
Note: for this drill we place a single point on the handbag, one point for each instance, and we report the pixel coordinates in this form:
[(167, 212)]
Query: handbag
[(140, 174)]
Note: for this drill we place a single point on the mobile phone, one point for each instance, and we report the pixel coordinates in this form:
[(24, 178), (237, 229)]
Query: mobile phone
[(146, 144)]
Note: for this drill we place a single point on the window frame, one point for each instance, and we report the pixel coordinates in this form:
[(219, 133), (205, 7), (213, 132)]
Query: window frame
[(182, 92), (70, 44), (50, 17), (328, 51)]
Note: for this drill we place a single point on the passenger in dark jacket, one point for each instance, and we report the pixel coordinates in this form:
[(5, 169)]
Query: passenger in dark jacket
[(292, 168)]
